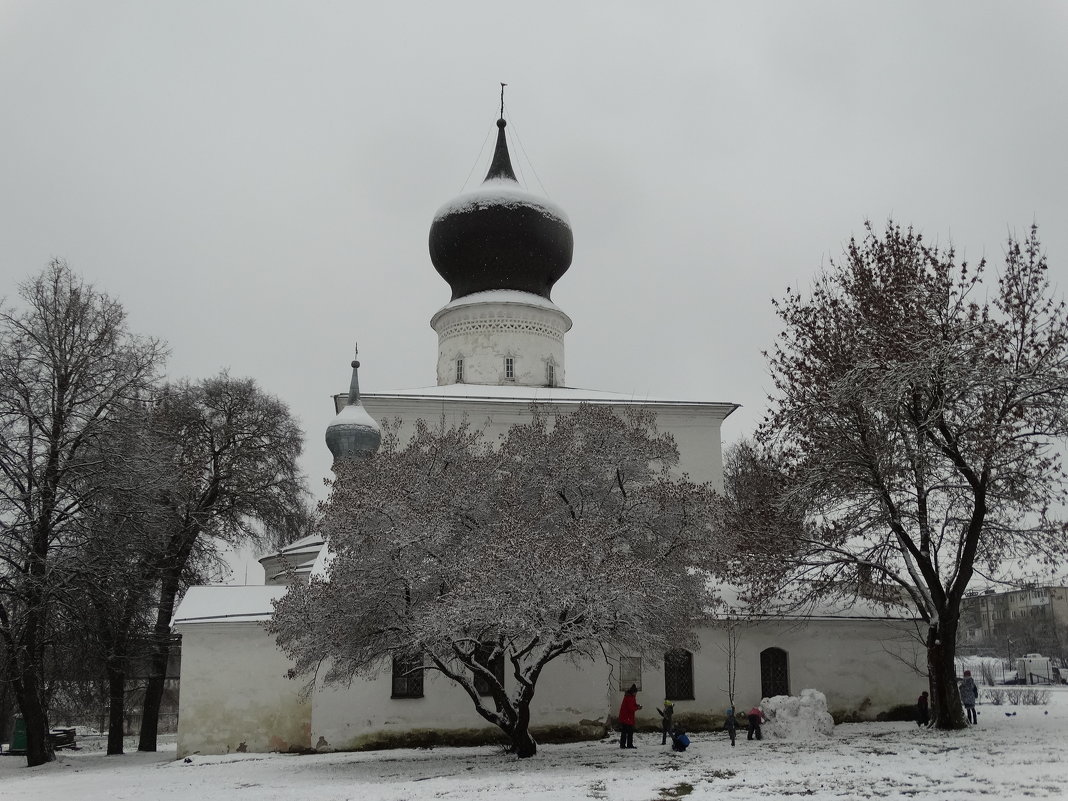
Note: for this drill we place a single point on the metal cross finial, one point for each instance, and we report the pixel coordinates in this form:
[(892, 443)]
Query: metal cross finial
[(502, 98)]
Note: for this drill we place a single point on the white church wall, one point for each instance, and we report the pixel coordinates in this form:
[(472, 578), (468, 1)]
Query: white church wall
[(235, 695), (696, 427), (862, 666), (485, 334), (346, 715)]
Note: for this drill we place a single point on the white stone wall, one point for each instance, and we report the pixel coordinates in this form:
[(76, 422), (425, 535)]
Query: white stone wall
[(485, 334), (234, 694), (696, 427), (861, 666)]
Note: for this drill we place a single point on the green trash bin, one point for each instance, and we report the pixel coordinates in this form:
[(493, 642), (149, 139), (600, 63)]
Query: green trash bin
[(18, 737)]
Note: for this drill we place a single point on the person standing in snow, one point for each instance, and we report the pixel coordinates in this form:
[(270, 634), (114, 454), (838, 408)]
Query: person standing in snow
[(923, 709), (627, 709), (730, 723), (667, 716), (969, 693), (756, 717)]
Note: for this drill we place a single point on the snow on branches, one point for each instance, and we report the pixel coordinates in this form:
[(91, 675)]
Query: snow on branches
[(571, 533), (912, 438)]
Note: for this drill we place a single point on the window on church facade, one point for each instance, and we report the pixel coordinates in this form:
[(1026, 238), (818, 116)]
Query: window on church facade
[(678, 675), (630, 672), (509, 368), (550, 374), (459, 371), (496, 666), (407, 677), (774, 673)]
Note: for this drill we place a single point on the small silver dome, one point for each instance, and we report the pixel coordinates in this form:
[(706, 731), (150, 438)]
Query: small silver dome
[(353, 434)]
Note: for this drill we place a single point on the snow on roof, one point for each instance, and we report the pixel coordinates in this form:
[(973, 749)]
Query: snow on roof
[(840, 608), (517, 393), (500, 192), (502, 296), (228, 604)]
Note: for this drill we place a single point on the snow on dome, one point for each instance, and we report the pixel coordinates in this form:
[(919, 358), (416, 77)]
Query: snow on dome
[(792, 717), (500, 192), (353, 434)]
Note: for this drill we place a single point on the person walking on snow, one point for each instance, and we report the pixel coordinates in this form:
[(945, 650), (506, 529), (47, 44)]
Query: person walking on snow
[(627, 709), (968, 695), (756, 717), (667, 716), (730, 723)]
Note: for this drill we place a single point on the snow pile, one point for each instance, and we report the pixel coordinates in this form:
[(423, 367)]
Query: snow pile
[(797, 718)]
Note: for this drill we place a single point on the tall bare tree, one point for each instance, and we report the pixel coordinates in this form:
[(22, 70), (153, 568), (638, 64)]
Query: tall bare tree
[(912, 438), (231, 451), (457, 557), (68, 367)]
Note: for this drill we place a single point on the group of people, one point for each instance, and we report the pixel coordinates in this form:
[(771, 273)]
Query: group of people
[(969, 694), (629, 707)]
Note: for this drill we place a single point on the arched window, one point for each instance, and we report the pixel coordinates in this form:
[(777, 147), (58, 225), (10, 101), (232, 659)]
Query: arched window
[(774, 673), (678, 675)]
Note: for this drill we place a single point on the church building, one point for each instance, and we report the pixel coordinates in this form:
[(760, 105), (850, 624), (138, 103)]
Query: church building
[(501, 347)]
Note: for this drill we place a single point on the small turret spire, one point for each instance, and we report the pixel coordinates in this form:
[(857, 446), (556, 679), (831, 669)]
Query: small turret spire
[(501, 166), (353, 434), (354, 384)]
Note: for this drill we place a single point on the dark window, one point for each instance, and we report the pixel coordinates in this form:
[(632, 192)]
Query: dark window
[(630, 672), (678, 675), (407, 677), (496, 665), (550, 374), (774, 673), (509, 368), (459, 371)]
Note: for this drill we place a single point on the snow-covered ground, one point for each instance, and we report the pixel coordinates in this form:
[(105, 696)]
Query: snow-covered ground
[(1008, 756)]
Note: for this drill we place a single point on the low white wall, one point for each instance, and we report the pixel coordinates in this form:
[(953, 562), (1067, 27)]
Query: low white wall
[(234, 693), (863, 667)]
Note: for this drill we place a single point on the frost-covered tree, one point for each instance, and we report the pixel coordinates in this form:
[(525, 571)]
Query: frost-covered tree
[(571, 534), (913, 436), (230, 451), (68, 368)]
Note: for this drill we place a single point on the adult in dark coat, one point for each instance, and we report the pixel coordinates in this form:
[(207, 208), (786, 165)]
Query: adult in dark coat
[(627, 709), (969, 693), (923, 709)]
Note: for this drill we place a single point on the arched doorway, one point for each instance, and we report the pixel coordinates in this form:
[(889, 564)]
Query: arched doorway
[(774, 673)]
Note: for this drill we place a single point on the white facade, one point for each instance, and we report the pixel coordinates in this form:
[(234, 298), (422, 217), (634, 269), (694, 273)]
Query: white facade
[(499, 352), (235, 695), (502, 337)]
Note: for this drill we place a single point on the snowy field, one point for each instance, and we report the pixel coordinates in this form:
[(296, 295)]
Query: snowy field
[(1022, 756)]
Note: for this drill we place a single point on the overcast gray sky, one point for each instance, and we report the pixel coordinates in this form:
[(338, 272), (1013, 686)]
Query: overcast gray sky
[(256, 180)]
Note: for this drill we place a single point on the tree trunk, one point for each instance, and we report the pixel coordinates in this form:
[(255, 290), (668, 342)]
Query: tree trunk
[(946, 709), (38, 747), (157, 664), (116, 707), (522, 743)]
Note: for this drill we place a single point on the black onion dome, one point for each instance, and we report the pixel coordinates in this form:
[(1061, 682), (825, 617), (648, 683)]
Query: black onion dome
[(500, 236)]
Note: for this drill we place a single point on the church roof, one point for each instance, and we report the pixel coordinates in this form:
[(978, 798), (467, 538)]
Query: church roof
[(228, 604), (517, 393)]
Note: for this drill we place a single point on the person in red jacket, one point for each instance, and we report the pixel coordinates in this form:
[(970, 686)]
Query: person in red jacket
[(627, 709)]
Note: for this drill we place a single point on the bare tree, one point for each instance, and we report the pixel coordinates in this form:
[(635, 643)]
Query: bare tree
[(458, 557), (912, 436), (116, 566), (231, 450), (68, 366)]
